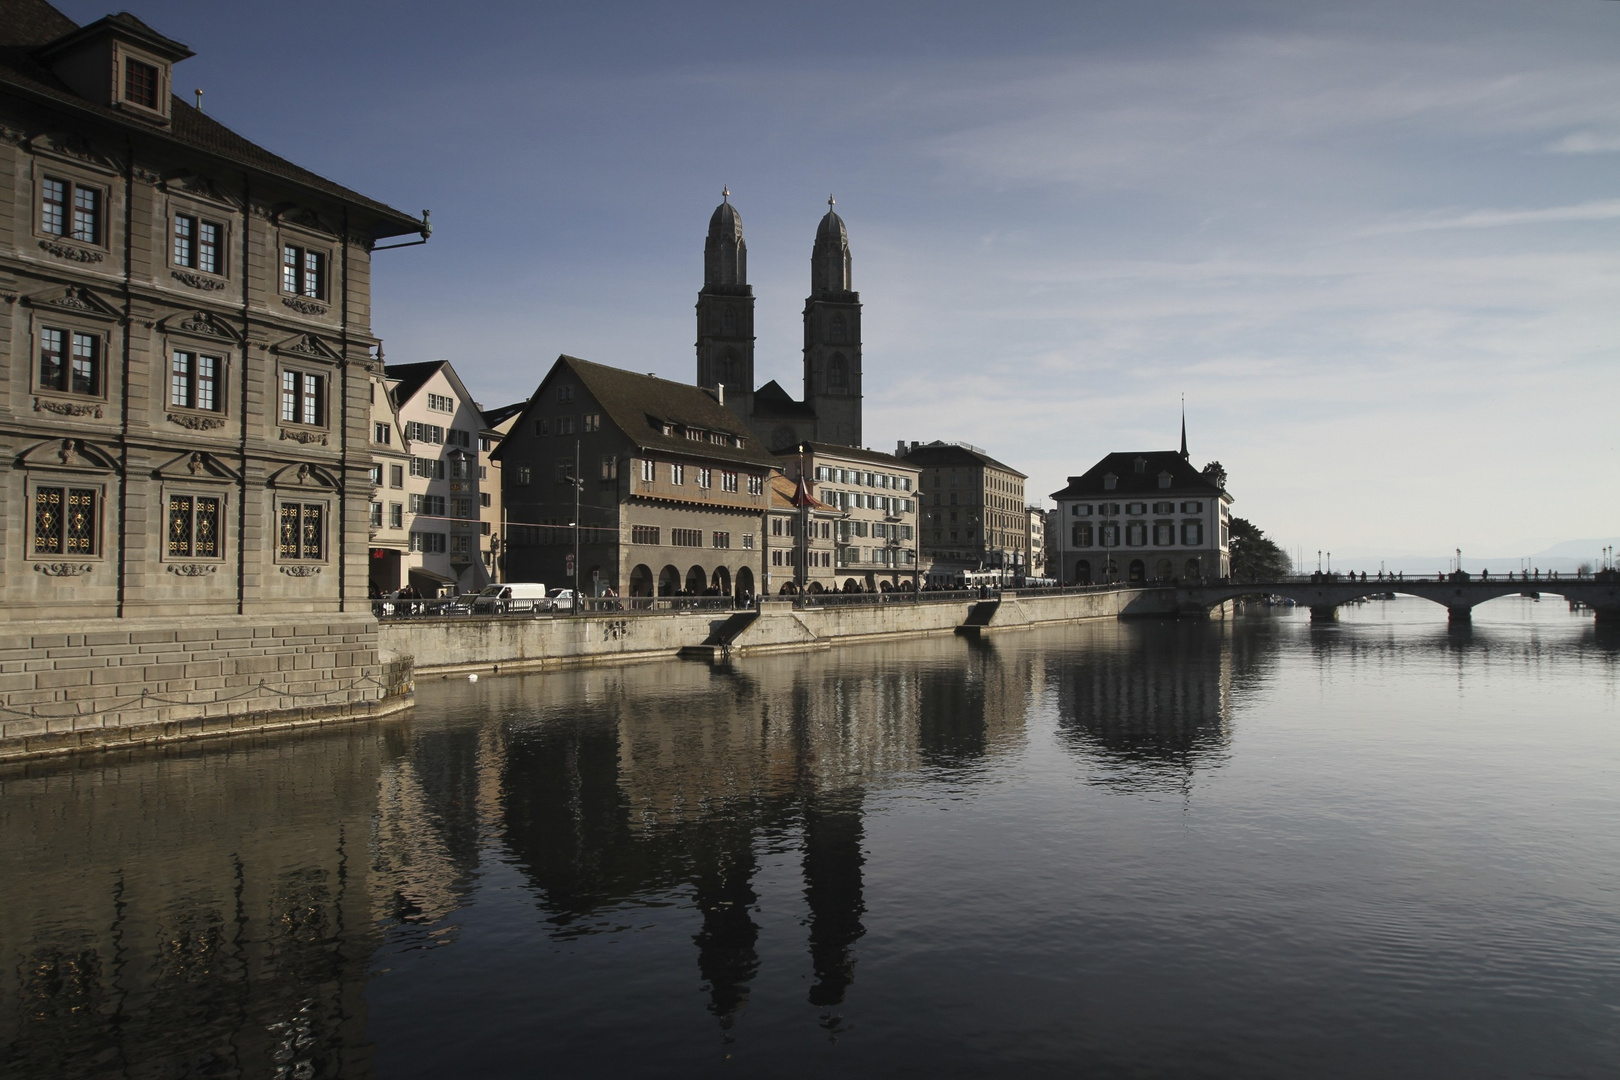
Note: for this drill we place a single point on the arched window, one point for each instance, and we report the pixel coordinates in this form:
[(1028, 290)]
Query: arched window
[(838, 372), (728, 319), (836, 332), (728, 368)]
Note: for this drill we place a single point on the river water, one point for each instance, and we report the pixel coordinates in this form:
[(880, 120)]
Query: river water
[(1243, 848)]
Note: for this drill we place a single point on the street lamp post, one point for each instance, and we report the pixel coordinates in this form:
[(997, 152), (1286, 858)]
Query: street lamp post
[(579, 607)]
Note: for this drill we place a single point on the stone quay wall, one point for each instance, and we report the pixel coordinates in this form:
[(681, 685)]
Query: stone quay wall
[(72, 685), (462, 645)]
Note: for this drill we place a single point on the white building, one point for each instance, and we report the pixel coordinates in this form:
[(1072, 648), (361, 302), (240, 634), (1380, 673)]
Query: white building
[(390, 462), (442, 425), (1143, 517)]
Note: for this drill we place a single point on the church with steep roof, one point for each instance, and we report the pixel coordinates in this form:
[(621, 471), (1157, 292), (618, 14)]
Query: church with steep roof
[(830, 411)]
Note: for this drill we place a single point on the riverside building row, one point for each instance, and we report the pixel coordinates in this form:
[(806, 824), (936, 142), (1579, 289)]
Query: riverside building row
[(672, 494)]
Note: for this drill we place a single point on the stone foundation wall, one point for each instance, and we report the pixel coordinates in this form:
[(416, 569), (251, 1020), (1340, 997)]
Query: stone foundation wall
[(71, 685)]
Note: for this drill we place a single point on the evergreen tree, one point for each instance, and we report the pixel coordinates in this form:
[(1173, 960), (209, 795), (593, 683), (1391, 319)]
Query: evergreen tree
[(1255, 557)]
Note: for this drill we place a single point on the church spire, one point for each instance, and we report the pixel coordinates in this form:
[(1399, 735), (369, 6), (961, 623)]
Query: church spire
[(1184, 453), (725, 312), (725, 254)]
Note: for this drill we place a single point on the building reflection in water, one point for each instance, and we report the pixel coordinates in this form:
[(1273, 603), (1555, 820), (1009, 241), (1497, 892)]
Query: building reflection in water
[(1149, 703), (218, 908), (651, 782)]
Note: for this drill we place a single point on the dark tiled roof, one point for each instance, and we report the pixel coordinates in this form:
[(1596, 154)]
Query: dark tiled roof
[(640, 406), (411, 377), (1131, 482), (853, 453), (773, 401), (26, 26), (935, 454), (494, 418)]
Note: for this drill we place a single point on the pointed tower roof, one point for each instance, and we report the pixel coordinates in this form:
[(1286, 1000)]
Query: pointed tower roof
[(725, 253), (832, 226), (725, 222), (1184, 453), (829, 259)]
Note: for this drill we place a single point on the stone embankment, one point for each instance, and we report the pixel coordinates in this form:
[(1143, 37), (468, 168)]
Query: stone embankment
[(461, 645), (69, 686), (128, 682)]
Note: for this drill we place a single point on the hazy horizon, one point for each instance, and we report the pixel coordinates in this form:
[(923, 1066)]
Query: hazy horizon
[(1376, 245)]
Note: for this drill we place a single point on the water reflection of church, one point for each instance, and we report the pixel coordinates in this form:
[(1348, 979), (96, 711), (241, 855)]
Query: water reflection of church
[(627, 799), (225, 906)]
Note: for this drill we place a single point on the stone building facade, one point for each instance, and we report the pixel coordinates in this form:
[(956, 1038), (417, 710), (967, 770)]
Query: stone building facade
[(671, 488), (185, 357), (973, 514), (1148, 516), (830, 411)]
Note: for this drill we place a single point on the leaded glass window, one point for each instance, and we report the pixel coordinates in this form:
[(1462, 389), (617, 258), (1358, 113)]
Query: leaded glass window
[(64, 521), (193, 526), (303, 531)]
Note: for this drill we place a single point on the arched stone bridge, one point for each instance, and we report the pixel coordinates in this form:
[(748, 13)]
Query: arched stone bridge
[(1458, 597)]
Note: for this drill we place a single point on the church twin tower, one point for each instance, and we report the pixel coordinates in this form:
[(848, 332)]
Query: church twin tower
[(831, 409)]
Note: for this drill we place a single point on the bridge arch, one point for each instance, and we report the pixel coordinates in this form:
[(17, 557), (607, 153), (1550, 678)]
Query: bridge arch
[(1459, 598)]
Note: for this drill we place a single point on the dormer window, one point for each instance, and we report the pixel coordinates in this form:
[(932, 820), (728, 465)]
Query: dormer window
[(118, 61), (140, 83), (1110, 482), (1141, 465), (1164, 479)]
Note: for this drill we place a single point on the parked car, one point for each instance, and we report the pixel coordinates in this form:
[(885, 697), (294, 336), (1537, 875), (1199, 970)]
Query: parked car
[(560, 600), (460, 604), (529, 596)]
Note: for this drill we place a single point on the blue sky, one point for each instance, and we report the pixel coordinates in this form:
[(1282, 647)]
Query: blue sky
[(1376, 245)]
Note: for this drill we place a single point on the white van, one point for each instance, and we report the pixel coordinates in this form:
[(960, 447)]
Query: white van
[(514, 596)]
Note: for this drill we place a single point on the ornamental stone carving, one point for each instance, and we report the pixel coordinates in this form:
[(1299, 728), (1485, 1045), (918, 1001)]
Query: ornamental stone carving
[(62, 251), (200, 323), (196, 281), (300, 571), (191, 569), (62, 569), (196, 423), (306, 307), (74, 300), (67, 408), (305, 437)]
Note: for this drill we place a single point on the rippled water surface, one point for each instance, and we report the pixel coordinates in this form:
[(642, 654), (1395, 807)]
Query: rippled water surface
[(1242, 848)]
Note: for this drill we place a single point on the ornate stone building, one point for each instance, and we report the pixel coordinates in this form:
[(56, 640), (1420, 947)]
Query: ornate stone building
[(831, 409), (185, 366)]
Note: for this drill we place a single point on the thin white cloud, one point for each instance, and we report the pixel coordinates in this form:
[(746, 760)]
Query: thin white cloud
[(1596, 210), (1586, 142)]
